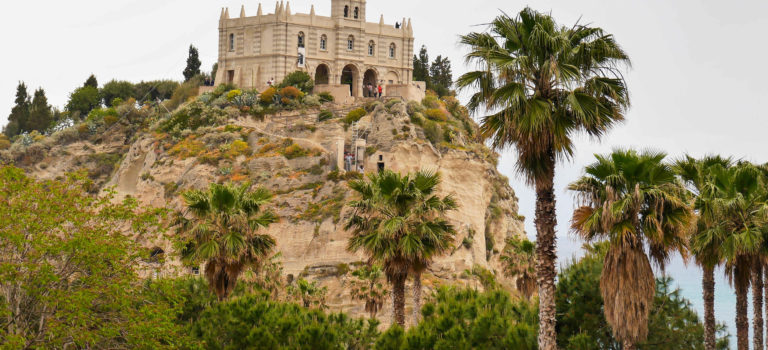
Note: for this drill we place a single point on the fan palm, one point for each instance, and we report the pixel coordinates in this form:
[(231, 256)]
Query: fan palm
[(705, 242), (543, 83), (399, 222), (368, 286), (519, 260), (739, 204), (219, 228), (634, 201)]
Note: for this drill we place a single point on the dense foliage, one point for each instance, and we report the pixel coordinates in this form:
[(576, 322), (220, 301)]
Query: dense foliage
[(437, 75), (67, 275), (581, 325)]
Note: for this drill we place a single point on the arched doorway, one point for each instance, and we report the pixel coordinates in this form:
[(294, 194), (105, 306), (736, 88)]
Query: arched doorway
[(321, 75), (369, 78), (350, 76)]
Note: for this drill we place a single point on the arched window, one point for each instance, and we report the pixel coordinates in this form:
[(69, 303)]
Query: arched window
[(231, 42), (323, 42), (371, 48), (357, 12), (351, 43), (301, 39), (346, 11), (392, 50)]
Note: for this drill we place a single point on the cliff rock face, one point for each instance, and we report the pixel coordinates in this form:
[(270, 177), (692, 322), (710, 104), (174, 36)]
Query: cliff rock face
[(296, 157)]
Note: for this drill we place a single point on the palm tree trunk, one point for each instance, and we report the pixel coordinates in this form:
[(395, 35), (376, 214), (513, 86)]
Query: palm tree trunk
[(742, 322), (398, 301), (416, 296), (708, 289), (757, 305), (546, 257), (627, 345)]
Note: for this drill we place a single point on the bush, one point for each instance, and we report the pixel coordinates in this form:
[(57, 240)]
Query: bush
[(354, 115), (461, 319), (370, 106), (289, 94), (431, 101), (83, 100), (300, 80), (191, 117), (232, 94), (237, 148), (154, 90), (183, 93), (5, 143), (268, 96), (116, 89), (433, 132), (437, 114), (326, 96), (325, 115), (62, 137), (417, 119), (223, 89), (311, 100), (414, 107), (294, 151)]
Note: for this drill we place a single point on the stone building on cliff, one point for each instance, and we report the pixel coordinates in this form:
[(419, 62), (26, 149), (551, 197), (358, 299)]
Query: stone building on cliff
[(343, 52)]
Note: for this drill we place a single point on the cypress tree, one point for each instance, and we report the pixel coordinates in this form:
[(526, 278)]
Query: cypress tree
[(17, 120), (92, 82), (40, 113), (193, 64)]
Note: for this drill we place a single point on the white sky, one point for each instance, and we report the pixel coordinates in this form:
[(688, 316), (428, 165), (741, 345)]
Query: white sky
[(697, 84)]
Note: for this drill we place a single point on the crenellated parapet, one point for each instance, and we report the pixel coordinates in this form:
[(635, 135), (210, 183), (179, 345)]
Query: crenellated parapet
[(339, 49)]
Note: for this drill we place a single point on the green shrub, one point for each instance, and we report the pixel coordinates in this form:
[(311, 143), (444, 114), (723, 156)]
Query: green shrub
[(83, 100), (417, 119), (223, 89), (116, 89), (154, 90), (437, 114), (191, 117), (311, 101), (354, 115), (325, 96), (268, 96), (325, 115), (300, 80), (293, 151), (414, 107), (433, 133), (182, 94), (370, 106), (431, 101), (391, 103)]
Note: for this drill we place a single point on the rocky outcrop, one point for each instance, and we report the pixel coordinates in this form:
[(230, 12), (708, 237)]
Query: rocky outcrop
[(310, 198)]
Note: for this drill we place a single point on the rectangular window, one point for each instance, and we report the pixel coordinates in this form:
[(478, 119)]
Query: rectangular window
[(230, 76), (231, 42), (323, 44), (350, 44)]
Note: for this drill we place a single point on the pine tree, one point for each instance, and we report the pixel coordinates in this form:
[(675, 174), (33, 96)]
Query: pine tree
[(92, 82), (40, 113), (193, 64), (440, 75), (19, 116), (421, 66)]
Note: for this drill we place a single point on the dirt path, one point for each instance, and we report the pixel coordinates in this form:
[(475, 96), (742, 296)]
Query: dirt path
[(306, 143)]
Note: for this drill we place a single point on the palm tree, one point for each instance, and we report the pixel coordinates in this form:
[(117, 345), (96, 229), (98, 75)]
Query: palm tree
[(309, 294), (219, 226), (368, 286), (705, 242), (519, 260), (634, 201), (399, 222), (542, 84), (740, 205)]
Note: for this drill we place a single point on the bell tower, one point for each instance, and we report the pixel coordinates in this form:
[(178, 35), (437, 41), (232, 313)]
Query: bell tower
[(353, 10)]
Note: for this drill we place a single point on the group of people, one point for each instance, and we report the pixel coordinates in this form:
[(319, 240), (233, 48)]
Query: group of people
[(372, 91), (349, 160)]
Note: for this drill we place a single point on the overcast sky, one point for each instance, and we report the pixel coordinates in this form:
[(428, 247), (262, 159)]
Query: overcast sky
[(697, 82)]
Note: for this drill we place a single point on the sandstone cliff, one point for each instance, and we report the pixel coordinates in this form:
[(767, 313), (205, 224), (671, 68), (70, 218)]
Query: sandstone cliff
[(297, 157)]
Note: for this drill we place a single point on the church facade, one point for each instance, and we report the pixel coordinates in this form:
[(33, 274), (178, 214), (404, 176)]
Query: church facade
[(342, 52)]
